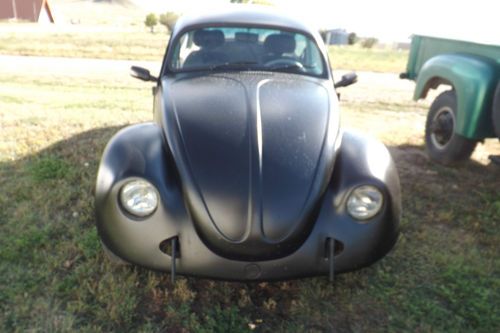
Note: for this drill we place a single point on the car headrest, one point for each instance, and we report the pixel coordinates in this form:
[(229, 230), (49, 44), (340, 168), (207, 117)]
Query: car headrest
[(208, 38), (246, 37), (279, 43)]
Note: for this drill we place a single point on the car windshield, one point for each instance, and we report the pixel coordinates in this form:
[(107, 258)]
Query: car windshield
[(246, 48)]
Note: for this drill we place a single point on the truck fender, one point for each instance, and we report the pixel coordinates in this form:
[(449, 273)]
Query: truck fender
[(473, 79), (496, 110)]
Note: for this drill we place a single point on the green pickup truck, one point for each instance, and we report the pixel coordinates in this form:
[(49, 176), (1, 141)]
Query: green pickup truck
[(470, 111)]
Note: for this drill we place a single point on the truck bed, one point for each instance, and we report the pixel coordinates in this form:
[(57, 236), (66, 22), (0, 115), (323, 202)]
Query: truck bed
[(425, 47)]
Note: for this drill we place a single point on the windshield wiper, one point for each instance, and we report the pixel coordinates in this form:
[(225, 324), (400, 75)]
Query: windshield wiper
[(234, 65), (287, 67)]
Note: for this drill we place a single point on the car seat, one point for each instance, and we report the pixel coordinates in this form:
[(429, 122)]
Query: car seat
[(209, 42), (277, 45)]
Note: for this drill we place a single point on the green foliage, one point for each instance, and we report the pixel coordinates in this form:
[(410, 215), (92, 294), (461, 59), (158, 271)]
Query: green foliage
[(255, 2), (49, 167), (369, 42), (442, 276), (137, 45), (90, 244), (323, 33), (23, 247), (151, 21), (352, 38), (168, 20), (468, 292), (221, 320), (361, 59), (147, 46), (263, 2)]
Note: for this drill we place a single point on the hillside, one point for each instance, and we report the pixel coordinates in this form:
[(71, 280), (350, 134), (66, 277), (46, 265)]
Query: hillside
[(119, 12), (89, 12)]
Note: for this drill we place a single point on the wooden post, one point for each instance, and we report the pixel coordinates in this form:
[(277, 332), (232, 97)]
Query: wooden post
[(14, 9)]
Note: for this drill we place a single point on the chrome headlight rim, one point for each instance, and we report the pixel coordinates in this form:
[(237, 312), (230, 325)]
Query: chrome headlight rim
[(372, 206), (143, 184)]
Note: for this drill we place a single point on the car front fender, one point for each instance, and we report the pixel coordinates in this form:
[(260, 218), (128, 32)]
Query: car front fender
[(362, 161), (138, 151)]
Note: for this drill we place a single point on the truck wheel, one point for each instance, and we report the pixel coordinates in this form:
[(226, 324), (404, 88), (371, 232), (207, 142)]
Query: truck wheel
[(496, 111), (443, 144), (113, 258)]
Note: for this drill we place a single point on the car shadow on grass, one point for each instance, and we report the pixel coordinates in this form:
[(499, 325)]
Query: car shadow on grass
[(55, 276)]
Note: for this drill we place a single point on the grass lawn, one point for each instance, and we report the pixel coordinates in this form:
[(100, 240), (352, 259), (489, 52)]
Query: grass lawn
[(138, 44), (133, 45), (443, 275), (360, 59)]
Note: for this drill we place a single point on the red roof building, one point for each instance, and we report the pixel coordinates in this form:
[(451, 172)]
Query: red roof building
[(27, 10)]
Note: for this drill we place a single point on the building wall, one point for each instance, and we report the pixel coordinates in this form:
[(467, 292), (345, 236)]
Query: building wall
[(337, 37), (6, 9), (28, 10)]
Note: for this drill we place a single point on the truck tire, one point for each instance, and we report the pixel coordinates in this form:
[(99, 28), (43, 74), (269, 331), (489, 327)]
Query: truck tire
[(496, 111), (443, 144)]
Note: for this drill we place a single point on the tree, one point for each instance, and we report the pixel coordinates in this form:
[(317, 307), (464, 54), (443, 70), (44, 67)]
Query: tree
[(151, 21), (352, 38), (168, 20), (255, 2), (368, 43), (324, 34)]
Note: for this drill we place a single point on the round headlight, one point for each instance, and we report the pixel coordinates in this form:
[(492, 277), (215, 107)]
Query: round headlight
[(139, 198), (364, 202)]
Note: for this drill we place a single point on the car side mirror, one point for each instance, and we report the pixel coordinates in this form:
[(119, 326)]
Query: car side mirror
[(142, 74), (347, 80)]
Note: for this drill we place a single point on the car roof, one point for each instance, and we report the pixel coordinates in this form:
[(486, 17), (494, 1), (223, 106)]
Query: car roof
[(243, 15)]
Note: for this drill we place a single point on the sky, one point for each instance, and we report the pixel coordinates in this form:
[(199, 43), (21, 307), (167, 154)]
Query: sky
[(388, 20)]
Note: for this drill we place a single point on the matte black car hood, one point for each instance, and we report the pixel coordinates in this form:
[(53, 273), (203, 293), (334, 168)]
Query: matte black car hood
[(255, 153)]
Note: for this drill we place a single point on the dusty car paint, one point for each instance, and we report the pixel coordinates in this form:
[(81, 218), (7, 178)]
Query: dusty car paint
[(253, 172)]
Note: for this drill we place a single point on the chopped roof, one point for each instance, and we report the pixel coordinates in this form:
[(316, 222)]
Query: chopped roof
[(243, 14)]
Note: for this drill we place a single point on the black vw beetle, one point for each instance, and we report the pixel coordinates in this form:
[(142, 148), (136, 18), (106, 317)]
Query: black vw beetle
[(244, 173)]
